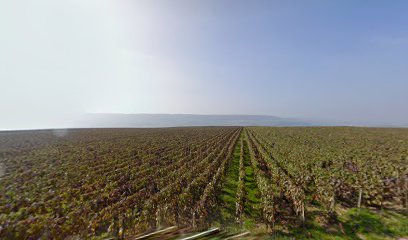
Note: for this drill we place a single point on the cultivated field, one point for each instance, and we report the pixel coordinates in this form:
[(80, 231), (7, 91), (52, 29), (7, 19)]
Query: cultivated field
[(262, 182)]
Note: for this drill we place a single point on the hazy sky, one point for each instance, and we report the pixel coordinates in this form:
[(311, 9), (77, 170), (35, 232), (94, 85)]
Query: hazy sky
[(326, 60)]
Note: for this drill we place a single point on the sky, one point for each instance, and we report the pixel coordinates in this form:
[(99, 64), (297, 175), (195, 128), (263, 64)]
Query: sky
[(337, 61)]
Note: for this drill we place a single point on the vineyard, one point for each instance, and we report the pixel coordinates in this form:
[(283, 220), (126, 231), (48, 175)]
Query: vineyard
[(301, 182)]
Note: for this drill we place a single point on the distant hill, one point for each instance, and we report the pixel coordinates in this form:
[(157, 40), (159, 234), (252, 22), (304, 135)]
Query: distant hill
[(109, 120)]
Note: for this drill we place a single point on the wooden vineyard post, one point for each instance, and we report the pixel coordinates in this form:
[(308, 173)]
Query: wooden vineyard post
[(406, 199), (406, 192), (159, 220), (360, 194), (176, 214), (332, 204), (194, 220), (397, 183), (121, 230)]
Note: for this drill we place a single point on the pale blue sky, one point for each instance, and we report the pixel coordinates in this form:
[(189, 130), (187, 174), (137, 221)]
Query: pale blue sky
[(340, 61)]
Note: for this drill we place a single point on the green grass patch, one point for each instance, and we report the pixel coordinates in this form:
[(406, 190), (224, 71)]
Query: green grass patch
[(376, 224), (359, 224), (228, 192), (252, 213)]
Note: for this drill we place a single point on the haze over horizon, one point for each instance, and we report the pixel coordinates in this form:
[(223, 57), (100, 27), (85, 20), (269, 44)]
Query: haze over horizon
[(334, 61)]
